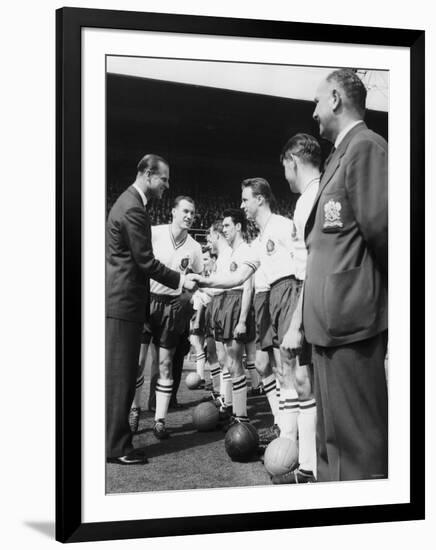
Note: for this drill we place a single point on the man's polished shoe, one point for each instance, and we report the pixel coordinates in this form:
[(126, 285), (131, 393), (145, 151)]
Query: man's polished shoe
[(159, 430), (135, 457), (293, 477)]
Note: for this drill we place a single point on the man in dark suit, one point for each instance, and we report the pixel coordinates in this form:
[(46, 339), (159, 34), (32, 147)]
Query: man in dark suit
[(345, 312), (130, 264)]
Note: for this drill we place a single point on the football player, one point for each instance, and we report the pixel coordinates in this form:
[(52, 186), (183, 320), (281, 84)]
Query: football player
[(175, 248), (275, 253)]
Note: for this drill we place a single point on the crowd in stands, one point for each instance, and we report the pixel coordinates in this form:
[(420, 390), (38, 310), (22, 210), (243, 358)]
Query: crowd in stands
[(209, 208)]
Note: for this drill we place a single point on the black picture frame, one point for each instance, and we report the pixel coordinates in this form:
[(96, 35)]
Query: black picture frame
[(69, 22)]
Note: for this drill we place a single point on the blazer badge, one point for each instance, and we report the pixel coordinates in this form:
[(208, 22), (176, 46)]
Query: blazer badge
[(233, 266), (332, 214)]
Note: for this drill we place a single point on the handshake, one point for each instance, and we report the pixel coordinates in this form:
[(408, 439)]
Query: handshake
[(193, 281)]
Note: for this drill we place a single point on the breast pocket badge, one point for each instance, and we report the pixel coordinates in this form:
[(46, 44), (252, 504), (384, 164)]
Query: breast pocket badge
[(332, 216)]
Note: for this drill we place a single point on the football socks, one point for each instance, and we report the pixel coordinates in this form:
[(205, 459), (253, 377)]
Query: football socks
[(164, 388), (307, 435), (288, 413)]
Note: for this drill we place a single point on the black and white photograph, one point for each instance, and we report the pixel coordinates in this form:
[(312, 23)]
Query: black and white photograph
[(245, 233), (246, 244), (218, 263)]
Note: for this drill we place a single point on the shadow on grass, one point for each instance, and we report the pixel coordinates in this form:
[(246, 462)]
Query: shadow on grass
[(188, 459), (184, 436)]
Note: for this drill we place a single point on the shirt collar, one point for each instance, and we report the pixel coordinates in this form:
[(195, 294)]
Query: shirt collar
[(141, 194), (345, 131), (310, 184)]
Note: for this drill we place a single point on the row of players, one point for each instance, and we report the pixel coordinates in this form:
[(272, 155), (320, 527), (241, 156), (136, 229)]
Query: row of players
[(273, 269)]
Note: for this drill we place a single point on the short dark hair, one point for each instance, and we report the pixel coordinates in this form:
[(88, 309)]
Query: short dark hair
[(150, 162), (259, 186), (183, 198), (305, 147), (237, 217), (352, 85)]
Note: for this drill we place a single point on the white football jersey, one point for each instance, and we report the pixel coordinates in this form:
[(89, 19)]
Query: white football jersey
[(233, 258), (180, 257), (275, 249), (302, 210), (260, 281)]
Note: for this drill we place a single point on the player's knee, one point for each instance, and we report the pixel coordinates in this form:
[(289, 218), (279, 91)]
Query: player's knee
[(231, 366), (263, 368), (221, 358), (303, 388)]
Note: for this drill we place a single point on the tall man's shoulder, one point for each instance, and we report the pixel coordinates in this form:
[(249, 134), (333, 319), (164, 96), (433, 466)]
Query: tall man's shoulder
[(364, 136)]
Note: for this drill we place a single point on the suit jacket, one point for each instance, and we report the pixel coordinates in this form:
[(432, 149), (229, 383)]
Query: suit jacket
[(130, 262), (345, 298)]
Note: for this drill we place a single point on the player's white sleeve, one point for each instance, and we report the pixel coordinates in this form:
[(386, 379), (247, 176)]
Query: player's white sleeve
[(253, 257), (197, 264)]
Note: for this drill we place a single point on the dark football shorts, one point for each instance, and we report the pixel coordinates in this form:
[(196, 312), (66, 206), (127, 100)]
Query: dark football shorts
[(227, 317), (305, 355), (283, 300), (167, 320), (212, 309), (263, 321), (208, 318)]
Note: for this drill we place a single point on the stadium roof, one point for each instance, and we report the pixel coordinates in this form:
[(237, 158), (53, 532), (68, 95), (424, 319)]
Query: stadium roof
[(285, 81)]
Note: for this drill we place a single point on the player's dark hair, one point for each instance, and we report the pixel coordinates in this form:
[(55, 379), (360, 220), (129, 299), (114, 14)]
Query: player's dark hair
[(237, 216), (180, 198), (305, 147), (352, 85), (150, 162), (259, 186)]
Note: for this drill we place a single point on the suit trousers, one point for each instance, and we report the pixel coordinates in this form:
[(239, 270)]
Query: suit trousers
[(352, 410), (123, 340)]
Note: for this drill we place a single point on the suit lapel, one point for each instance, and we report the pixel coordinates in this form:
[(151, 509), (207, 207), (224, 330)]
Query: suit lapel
[(333, 166)]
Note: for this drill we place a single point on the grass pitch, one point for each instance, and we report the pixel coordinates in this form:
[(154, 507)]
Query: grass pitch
[(188, 459)]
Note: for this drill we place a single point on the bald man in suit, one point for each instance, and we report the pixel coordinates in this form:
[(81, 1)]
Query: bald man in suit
[(345, 311)]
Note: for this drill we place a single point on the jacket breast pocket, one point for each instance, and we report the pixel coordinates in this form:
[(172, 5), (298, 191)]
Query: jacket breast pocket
[(350, 301)]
